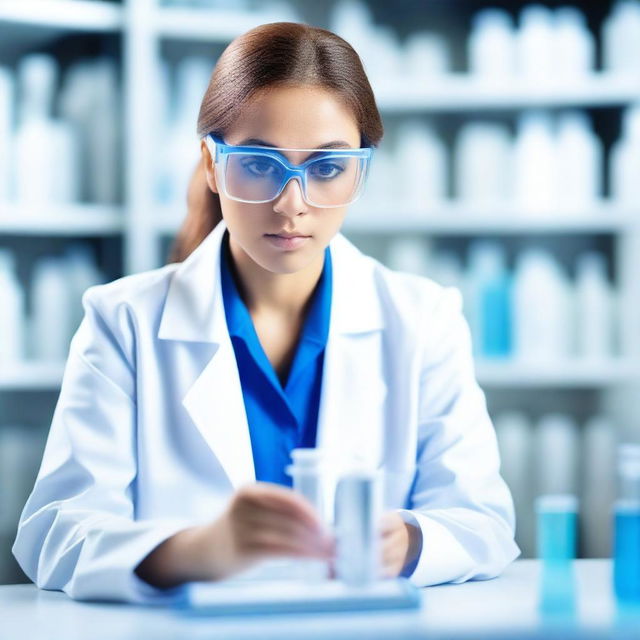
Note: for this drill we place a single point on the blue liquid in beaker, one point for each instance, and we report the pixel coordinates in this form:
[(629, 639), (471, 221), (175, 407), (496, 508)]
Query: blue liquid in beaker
[(626, 567)]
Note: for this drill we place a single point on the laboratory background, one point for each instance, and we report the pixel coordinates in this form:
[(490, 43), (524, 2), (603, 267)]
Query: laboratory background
[(510, 168)]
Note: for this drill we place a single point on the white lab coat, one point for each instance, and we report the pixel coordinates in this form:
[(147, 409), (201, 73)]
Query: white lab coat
[(150, 434)]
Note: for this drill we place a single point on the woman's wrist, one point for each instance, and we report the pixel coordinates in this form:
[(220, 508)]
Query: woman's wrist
[(181, 558)]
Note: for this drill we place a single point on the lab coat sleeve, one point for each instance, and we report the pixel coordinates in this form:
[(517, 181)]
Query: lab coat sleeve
[(459, 500), (78, 532)]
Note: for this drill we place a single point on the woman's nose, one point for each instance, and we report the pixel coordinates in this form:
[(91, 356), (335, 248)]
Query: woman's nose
[(290, 201)]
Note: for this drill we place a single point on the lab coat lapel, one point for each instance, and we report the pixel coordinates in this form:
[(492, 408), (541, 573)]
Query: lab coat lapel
[(351, 413), (194, 312)]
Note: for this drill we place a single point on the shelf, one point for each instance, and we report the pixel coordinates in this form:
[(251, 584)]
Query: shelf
[(31, 376), (467, 93), (61, 220), (207, 25), (456, 218), (65, 15), (568, 374), (26, 25)]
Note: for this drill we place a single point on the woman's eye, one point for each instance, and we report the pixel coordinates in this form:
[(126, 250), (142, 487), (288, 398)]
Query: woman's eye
[(260, 167), (327, 170)]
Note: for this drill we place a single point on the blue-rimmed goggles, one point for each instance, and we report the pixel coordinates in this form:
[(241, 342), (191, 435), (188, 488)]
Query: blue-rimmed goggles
[(328, 178)]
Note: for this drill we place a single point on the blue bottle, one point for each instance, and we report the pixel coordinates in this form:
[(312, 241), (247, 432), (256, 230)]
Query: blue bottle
[(626, 551)]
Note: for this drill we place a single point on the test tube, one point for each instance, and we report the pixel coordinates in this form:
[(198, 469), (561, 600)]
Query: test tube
[(306, 473), (357, 514), (557, 526), (626, 551)]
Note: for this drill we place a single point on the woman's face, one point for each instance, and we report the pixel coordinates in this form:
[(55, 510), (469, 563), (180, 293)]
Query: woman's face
[(300, 117)]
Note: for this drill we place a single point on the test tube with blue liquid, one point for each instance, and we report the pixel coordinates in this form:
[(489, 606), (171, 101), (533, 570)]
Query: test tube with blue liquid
[(557, 520), (626, 551)]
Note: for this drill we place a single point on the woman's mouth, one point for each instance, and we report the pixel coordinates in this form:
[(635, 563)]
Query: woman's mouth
[(286, 242)]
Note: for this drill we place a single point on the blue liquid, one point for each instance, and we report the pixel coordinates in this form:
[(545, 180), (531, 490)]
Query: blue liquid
[(557, 536), (626, 563)]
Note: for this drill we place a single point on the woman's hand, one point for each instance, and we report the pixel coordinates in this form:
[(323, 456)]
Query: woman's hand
[(261, 520), (400, 544), (264, 520)]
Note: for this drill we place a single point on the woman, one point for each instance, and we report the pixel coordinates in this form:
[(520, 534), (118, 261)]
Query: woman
[(187, 386)]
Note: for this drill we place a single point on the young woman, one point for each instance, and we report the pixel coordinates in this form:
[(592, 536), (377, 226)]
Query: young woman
[(187, 386)]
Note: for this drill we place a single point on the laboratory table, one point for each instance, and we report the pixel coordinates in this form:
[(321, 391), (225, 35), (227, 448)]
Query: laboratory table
[(524, 602)]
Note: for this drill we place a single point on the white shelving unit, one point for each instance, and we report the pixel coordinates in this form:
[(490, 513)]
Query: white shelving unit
[(145, 27)]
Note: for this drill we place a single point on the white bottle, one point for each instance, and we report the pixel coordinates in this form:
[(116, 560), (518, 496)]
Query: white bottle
[(82, 273), (621, 38), (574, 46), (51, 175), (52, 310), (534, 163), (625, 161), (409, 254), (12, 317), (557, 446), (307, 474), (491, 49), (89, 99), (594, 306), (535, 44), (579, 163), (6, 132), (483, 164), (598, 482), (425, 57), (421, 166), (543, 309), (514, 432)]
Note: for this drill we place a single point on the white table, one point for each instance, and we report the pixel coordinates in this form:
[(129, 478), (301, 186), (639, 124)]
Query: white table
[(507, 607)]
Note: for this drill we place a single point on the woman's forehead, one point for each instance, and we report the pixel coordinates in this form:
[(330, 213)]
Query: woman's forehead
[(296, 118)]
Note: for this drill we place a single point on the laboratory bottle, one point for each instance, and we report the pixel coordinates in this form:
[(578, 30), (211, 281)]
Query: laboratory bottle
[(446, 269), (491, 48), (421, 166), (579, 163), (12, 317), (574, 46), (514, 432), (56, 164), (83, 273), (543, 309), (306, 471), (535, 44), (626, 546), (489, 286), (483, 164), (89, 100), (534, 163), (598, 456), (621, 38), (408, 254), (358, 509), (594, 304), (6, 132), (557, 528), (425, 57), (625, 160), (52, 309), (556, 446)]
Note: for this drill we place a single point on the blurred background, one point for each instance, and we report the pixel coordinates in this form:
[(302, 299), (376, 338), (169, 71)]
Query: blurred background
[(510, 168)]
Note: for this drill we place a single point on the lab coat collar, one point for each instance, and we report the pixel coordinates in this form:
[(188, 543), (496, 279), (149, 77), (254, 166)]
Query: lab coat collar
[(194, 309)]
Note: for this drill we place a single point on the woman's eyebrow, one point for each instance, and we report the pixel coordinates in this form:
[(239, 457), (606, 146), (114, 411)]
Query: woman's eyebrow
[(334, 144)]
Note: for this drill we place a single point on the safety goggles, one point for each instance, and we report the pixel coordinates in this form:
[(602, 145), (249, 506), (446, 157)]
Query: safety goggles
[(328, 178)]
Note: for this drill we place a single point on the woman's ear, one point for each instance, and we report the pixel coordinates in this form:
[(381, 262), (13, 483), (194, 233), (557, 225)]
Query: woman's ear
[(209, 168)]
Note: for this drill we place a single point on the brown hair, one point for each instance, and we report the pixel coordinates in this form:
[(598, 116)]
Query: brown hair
[(270, 55)]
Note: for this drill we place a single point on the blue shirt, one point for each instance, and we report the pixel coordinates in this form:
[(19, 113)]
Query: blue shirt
[(280, 417)]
